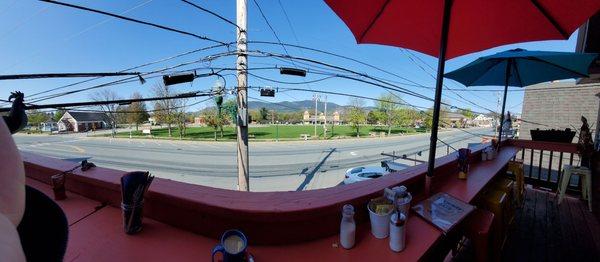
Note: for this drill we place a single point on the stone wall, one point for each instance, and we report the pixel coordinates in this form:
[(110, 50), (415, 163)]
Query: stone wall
[(559, 105)]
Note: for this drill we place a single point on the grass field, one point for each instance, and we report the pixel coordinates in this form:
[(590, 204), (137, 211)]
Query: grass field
[(271, 132)]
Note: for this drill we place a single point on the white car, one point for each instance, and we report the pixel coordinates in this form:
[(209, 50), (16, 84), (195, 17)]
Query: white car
[(358, 174)]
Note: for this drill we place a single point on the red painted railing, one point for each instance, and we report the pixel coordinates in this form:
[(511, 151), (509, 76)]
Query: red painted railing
[(266, 217)]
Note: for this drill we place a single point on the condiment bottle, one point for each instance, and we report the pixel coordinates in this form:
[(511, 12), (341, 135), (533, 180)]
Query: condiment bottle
[(347, 227), (397, 231)]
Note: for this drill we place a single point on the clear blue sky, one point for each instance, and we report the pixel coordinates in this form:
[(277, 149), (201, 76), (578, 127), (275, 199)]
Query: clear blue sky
[(38, 37)]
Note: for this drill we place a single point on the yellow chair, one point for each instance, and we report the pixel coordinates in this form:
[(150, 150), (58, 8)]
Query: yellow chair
[(516, 168), (507, 186), (496, 201)]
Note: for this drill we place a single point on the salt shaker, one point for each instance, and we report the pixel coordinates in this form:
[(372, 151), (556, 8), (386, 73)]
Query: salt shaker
[(347, 227), (397, 232)]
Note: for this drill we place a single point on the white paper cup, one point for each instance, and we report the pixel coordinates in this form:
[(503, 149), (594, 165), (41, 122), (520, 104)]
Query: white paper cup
[(380, 224)]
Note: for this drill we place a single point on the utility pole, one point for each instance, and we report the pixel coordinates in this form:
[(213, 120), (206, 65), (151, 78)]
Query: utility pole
[(325, 120), (242, 96), (498, 109), (316, 98)]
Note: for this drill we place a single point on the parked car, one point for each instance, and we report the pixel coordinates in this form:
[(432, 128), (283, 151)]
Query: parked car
[(358, 174)]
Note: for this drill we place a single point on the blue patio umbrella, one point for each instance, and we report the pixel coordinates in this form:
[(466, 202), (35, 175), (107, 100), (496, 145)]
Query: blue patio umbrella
[(519, 67)]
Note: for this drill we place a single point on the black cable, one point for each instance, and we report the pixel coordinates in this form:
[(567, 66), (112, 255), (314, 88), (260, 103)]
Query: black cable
[(133, 20), (410, 55), (385, 85), (393, 87), (121, 81), (336, 55), (131, 68), (271, 28), (136, 112), (108, 102), (210, 12), (64, 75), (292, 83)]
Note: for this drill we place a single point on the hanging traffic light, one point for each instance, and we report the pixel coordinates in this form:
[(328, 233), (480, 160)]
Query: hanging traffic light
[(292, 71), (178, 79), (270, 92)]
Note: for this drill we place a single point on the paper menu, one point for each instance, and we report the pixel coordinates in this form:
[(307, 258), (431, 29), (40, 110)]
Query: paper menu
[(443, 210)]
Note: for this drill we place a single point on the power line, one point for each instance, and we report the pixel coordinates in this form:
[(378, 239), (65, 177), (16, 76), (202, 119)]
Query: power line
[(108, 102), (139, 111), (134, 67), (275, 34), (271, 28), (121, 81), (133, 20), (64, 75), (210, 12), (339, 56), (292, 83), (410, 55)]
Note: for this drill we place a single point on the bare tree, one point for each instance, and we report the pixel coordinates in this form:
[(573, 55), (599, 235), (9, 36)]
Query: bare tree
[(111, 110), (164, 109), (180, 115)]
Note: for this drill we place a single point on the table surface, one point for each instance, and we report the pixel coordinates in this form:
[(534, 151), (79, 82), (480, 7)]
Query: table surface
[(97, 235)]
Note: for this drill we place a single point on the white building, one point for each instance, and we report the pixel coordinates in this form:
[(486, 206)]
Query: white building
[(83, 121), (483, 121)]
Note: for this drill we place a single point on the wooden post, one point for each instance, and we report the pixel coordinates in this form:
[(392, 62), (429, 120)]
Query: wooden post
[(242, 97)]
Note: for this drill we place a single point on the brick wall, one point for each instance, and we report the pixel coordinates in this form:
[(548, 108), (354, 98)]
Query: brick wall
[(559, 105)]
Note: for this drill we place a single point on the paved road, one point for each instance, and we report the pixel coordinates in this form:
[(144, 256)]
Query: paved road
[(295, 165)]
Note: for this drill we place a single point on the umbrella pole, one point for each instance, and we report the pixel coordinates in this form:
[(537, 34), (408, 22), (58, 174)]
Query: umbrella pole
[(507, 77), (438, 95)]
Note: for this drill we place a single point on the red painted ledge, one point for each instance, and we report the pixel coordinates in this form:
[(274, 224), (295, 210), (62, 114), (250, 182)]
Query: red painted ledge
[(268, 218)]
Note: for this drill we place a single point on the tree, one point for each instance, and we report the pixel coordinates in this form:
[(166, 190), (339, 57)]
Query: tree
[(213, 120), (264, 113), (405, 116), (388, 105), (356, 114), (180, 115), (230, 109), (136, 111), (373, 117), (467, 113), (58, 115), (36, 117), (111, 110), (165, 109)]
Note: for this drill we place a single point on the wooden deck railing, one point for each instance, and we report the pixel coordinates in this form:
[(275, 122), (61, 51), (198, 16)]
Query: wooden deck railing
[(544, 162)]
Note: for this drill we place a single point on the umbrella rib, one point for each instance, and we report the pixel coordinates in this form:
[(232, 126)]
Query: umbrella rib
[(373, 21), (550, 19), (559, 66), (518, 74)]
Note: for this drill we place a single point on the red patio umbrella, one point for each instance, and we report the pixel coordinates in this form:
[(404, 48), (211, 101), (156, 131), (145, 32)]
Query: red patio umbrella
[(448, 28)]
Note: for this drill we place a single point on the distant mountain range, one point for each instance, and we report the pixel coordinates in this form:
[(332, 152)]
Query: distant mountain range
[(294, 106)]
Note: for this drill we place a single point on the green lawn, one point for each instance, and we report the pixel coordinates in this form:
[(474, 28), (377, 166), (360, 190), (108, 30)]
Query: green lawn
[(284, 132)]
